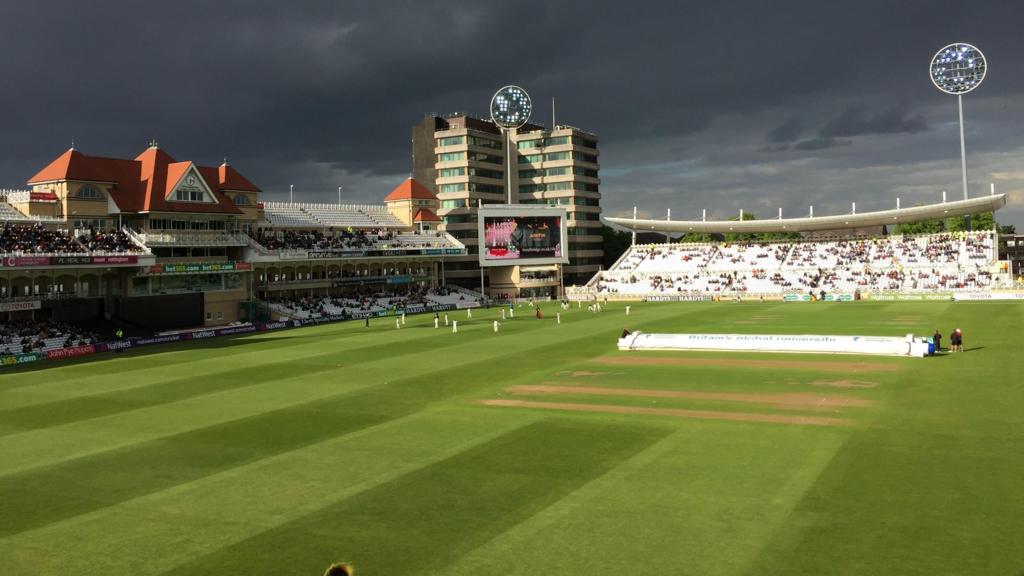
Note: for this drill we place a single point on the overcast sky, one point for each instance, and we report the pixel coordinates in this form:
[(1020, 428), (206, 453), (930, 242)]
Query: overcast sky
[(718, 105)]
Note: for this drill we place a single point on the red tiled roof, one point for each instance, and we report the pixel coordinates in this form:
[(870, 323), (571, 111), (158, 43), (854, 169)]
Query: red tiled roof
[(231, 179), (410, 189), (424, 215), (175, 172), (142, 184), (73, 165)]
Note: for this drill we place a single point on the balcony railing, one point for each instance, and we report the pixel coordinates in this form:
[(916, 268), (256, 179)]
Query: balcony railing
[(193, 238)]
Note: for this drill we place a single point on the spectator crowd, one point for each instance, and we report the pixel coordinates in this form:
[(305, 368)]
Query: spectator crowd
[(938, 262), (358, 303), (346, 240), (37, 239), (25, 336)]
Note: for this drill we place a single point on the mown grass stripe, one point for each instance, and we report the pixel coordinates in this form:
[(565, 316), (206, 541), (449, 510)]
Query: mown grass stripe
[(47, 446), (44, 415), (190, 520), (199, 357), (427, 519), (99, 480), (104, 479)]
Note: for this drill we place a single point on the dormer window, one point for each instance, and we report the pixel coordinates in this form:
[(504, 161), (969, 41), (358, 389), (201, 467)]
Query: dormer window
[(242, 200), (192, 188), (89, 193), (189, 196)]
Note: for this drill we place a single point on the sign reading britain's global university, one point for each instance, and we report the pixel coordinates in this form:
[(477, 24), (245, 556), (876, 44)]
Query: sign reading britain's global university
[(810, 343)]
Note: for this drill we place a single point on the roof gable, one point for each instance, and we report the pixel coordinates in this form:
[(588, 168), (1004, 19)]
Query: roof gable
[(184, 177), (410, 189), (424, 215)]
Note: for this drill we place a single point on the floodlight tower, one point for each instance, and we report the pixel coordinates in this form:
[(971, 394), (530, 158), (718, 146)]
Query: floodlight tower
[(510, 108), (957, 69)]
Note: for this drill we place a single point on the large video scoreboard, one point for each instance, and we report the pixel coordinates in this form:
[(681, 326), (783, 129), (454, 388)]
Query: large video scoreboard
[(514, 235)]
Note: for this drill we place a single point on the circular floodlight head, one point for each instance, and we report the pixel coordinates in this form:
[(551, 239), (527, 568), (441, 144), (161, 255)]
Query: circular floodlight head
[(958, 68), (511, 107)]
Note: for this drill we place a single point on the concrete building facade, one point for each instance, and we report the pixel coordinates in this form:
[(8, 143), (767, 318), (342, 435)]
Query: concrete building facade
[(462, 160)]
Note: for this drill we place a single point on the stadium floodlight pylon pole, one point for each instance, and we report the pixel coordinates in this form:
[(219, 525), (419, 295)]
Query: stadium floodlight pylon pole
[(510, 108), (957, 69), (963, 154), (508, 161)]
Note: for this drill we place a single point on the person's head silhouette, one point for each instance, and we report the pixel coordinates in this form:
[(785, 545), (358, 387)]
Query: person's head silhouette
[(339, 570)]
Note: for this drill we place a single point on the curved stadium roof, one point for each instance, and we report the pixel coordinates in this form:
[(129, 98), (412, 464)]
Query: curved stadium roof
[(820, 223)]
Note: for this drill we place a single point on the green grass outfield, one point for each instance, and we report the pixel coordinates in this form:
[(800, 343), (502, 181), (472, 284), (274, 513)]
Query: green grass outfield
[(279, 453)]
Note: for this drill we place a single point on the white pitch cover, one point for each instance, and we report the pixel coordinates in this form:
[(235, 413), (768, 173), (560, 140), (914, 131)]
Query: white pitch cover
[(806, 343)]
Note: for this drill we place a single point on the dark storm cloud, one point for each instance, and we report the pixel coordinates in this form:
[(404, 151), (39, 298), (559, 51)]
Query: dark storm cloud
[(323, 93), (788, 131), (856, 120), (820, 143)]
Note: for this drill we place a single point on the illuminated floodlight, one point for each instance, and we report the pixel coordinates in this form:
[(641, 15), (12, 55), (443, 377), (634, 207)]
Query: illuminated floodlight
[(958, 68), (511, 107)]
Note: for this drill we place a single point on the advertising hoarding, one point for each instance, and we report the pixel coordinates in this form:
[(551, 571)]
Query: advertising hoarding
[(809, 343)]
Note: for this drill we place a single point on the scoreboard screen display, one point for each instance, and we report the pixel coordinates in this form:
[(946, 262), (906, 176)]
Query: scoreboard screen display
[(530, 236)]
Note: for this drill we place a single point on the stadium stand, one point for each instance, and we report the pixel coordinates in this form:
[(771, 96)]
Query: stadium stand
[(36, 239), (289, 217), (925, 263), (8, 213), (114, 242), (272, 239), (304, 215), (317, 240), (24, 336), (358, 304)]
